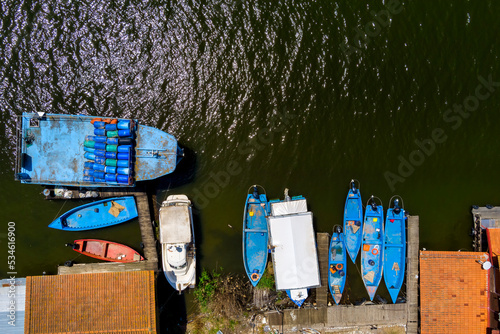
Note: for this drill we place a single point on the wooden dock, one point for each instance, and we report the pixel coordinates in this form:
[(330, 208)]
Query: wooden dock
[(148, 240), (363, 317), (412, 274), (486, 216), (323, 242)]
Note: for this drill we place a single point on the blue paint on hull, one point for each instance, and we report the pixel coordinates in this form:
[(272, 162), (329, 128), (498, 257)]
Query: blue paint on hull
[(372, 249), (255, 237), (394, 252), (337, 270), (96, 215), (297, 302), (50, 151), (353, 216)]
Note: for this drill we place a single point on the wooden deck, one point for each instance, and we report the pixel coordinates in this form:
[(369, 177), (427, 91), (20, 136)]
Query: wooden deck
[(364, 317), (148, 240), (483, 216), (412, 274), (323, 242)]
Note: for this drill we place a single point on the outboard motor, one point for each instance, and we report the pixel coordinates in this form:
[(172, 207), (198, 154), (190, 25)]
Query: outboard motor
[(338, 229), (255, 192), (353, 187), (373, 204), (397, 209)]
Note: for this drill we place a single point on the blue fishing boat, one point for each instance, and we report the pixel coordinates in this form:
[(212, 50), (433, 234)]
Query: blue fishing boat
[(255, 235), (353, 220), (372, 250), (337, 261), (104, 213), (293, 244), (395, 249), (85, 151)]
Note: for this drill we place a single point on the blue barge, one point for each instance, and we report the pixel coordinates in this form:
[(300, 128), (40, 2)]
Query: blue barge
[(54, 149)]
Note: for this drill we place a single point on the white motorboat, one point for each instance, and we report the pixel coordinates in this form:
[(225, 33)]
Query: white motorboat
[(177, 242)]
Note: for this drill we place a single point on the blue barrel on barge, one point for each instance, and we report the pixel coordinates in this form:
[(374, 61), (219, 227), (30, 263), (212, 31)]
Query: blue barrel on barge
[(50, 151)]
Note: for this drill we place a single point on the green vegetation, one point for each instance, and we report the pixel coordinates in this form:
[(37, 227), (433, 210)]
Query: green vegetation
[(221, 299), (206, 288), (267, 281)]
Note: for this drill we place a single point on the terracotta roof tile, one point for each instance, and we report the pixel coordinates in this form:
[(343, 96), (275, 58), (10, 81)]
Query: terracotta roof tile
[(91, 303), (453, 292), (493, 244)]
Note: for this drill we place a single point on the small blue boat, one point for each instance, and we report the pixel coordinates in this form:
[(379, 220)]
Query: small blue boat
[(337, 261), (372, 250), (104, 213), (395, 249), (255, 235), (353, 221)]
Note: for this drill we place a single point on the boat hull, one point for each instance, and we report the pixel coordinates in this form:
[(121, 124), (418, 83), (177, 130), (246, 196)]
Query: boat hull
[(255, 237), (372, 249), (337, 261), (107, 250), (394, 252), (99, 214), (353, 223), (298, 296)]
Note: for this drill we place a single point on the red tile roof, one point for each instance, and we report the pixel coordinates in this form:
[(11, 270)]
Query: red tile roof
[(494, 244), (453, 292), (121, 302)]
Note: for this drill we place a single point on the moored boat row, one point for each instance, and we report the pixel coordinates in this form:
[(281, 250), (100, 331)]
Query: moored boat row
[(383, 247)]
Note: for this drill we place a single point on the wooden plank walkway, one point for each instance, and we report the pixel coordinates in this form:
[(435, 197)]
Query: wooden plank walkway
[(412, 275), (362, 316), (486, 216), (148, 240), (322, 240)]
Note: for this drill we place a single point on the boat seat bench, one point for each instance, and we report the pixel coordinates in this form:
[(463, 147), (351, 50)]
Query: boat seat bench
[(255, 230)]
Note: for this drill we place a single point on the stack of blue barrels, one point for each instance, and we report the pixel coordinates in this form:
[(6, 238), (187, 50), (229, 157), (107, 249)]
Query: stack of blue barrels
[(110, 152)]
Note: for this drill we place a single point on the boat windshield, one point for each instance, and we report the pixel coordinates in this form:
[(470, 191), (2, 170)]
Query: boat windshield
[(179, 267)]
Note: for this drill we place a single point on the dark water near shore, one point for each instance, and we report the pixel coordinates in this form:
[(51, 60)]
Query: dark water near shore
[(283, 94)]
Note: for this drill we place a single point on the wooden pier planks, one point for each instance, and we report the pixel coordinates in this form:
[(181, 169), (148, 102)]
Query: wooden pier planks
[(412, 275), (322, 240)]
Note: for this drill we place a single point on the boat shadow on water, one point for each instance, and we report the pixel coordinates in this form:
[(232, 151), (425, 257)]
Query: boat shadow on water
[(172, 313), (183, 174)]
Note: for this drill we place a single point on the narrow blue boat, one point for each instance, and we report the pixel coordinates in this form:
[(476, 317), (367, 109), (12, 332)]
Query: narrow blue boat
[(337, 261), (372, 251), (395, 249), (104, 213), (255, 235), (353, 220)]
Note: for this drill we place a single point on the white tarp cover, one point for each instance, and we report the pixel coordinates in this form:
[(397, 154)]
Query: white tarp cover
[(290, 207), (295, 257), (175, 224)]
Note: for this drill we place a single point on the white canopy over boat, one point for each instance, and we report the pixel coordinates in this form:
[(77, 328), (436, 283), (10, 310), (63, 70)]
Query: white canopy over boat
[(176, 224), (288, 208), (293, 242)]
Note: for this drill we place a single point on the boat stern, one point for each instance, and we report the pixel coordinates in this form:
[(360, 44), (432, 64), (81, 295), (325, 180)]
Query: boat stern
[(394, 294), (298, 296), (371, 291)]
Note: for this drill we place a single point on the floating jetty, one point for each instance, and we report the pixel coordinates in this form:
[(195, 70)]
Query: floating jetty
[(353, 317)]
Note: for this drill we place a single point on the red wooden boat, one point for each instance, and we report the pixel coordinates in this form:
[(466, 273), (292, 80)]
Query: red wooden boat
[(106, 250)]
